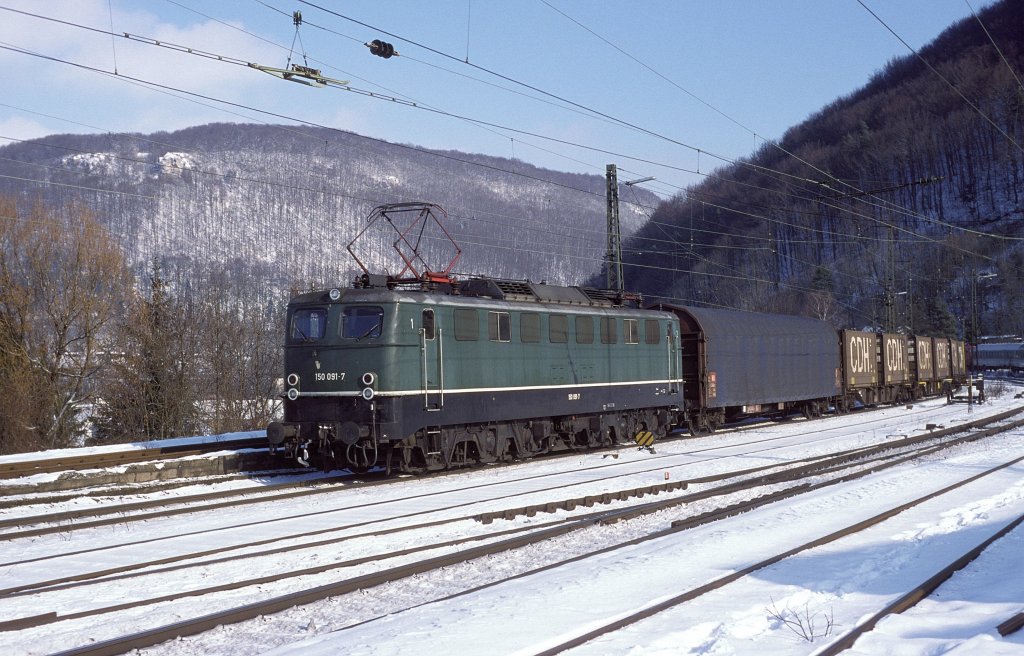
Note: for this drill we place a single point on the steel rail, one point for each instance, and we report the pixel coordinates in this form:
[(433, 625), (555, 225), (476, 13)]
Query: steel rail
[(276, 604), (118, 510), (167, 563), (922, 591), (723, 581)]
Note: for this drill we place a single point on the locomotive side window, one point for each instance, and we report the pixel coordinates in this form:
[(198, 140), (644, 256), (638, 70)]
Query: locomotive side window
[(428, 324), (608, 332), (629, 327), (558, 328), (467, 327), (499, 327), (529, 327), (362, 321), (653, 331), (584, 330), (309, 324)]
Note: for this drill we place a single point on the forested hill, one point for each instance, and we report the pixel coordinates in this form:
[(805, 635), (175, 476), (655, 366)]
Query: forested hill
[(804, 225), (282, 202)]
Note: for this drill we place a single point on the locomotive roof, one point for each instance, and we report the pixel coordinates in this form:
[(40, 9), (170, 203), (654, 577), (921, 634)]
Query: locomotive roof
[(522, 291)]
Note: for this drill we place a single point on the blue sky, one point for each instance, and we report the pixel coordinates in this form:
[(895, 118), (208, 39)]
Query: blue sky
[(762, 66)]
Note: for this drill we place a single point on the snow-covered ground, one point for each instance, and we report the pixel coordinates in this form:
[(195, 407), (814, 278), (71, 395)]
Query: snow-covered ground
[(838, 583)]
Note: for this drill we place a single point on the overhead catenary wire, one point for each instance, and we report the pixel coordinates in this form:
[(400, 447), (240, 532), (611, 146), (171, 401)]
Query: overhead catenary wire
[(240, 62), (995, 45), (474, 214), (735, 273), (939, 75), (166, 88), (187, 50), (145, 83), (627, 123), (801, 227)]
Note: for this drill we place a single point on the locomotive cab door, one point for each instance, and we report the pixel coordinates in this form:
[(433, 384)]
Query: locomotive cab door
[(432, 362)]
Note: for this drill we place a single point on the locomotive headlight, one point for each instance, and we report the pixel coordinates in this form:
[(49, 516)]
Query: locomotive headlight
[(293, 394), (370, 382), (293, 379), (335, 294)]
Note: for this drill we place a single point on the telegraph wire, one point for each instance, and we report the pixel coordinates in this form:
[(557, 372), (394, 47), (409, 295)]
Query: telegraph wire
[(240, 62), (168, 88), (80, 187), (113, 43), (233, 60), (773, 143), (211, 55), (583, 107), (995, 45), (708, 274), (236, 61), (970, 104), (450, 71), (474, 213), (202, 54)]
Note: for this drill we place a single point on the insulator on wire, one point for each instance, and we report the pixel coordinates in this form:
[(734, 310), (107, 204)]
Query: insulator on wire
[(382, 49)]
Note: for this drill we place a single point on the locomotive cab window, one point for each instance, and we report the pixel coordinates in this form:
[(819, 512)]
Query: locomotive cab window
[(428, 324), (362, 321), (309, 324), (499, 327)]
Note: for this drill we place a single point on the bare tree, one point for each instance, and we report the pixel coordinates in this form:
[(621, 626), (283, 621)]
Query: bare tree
[(60, 284), (150, 392)]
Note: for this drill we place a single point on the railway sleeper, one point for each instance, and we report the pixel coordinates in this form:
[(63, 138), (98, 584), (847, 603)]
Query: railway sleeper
[(588, 501)]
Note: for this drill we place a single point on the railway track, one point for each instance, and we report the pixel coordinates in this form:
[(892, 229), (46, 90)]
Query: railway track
[(753, 483), (721, 583), (160, 477), (156, 505)]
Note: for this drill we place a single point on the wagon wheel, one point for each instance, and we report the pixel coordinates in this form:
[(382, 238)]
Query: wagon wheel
[(697, 428)]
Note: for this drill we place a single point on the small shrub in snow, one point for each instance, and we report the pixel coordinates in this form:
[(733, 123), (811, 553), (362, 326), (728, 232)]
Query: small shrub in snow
[(808, 625)]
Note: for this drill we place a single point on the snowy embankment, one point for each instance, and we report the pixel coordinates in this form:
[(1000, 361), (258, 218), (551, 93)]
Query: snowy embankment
[(837, 584), (834, 585), (61, 454)]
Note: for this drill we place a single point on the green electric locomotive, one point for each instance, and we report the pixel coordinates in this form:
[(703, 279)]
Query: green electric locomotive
[(426, 376)]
